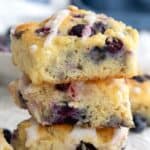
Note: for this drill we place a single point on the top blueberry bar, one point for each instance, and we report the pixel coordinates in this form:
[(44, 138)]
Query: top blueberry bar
[(75, 44)]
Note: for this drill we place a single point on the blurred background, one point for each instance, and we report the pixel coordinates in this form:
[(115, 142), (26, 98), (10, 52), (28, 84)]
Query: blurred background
[(133, 12)]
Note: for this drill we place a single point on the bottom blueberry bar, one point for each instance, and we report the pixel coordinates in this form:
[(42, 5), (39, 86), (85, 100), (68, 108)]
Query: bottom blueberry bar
[(140, 101), (91, 103), (30, 135)]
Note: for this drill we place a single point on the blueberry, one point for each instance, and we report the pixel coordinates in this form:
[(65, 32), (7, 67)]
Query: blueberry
[(79, 66), (62, 87), (5, 42), (97, 54), (146, 76), (78, 16), (113, 45), (85, 146), (140, 123), (81, 30), (43, 31), (7, 135), (63, 113), (114, 121), (99, 27), (77, 30), (7, 37), (139, 78)]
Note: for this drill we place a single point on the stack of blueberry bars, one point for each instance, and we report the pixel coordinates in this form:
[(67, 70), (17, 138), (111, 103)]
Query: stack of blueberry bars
[(75, 67)]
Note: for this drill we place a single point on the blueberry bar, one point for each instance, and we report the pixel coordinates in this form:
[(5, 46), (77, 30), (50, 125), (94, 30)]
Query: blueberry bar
[(75, 44), (32, 136), (140, 100), (89, 103)]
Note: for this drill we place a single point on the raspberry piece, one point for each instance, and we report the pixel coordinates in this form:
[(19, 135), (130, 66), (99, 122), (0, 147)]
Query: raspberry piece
[(99, 27)]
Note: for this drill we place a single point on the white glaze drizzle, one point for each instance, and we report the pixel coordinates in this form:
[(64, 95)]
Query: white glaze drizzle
[(33, 48), (54, 25), (32, 134), (87, 134), (91, 18), (137, 90), (120, 134)]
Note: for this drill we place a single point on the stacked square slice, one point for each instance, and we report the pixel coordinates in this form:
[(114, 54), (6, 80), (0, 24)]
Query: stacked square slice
[(139, 87), (74, 67)]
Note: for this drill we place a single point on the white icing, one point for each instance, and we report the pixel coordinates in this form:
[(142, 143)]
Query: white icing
[(89, 135), (102, 16), (120, 135), (86, 31), (33, 48), (32, 134), (137, 90), (91, 18), (54, 25), (79, 134), (121, 35)]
